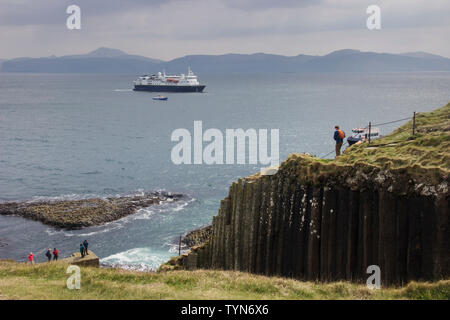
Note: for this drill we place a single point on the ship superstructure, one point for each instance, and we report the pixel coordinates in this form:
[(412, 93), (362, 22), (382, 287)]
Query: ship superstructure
[(161, 82)]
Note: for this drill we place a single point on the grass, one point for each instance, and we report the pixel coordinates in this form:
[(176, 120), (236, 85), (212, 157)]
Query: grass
[(423, 157), (428, 148), (48, 281)]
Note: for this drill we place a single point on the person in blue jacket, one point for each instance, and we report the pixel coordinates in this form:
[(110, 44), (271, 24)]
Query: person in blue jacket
[(49, 254), (86, 244), (339, 138), (82, 250)]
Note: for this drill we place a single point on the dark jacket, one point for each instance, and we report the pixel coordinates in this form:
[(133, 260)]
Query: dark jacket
[(337, 137)]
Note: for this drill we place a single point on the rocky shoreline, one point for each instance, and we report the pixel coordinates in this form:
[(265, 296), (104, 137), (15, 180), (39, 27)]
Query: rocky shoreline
[(76, 214), (197, 237)]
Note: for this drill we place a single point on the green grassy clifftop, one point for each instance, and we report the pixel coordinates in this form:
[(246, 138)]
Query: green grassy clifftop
[(48, 281), (400, 162), (429, 148)]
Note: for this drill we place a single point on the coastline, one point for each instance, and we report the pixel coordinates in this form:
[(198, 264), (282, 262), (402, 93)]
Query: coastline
[(328, 220), (77, 214), (192, 276)]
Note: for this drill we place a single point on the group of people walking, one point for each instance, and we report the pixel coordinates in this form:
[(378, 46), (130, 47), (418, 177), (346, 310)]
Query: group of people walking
[(48, 254), (55, 253)]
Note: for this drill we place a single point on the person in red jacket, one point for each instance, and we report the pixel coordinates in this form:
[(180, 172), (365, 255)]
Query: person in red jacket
[(31, 258), (55, 254)]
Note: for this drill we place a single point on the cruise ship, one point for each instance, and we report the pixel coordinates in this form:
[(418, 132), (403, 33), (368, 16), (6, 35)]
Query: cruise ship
[(164, 83)]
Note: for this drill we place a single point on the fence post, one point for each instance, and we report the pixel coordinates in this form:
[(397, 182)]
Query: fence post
[(414, 124), (179, 247), (370, 128)]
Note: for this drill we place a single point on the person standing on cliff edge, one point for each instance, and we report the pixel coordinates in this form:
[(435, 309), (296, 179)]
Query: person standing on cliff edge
[(82, 250), (85, 245), (339, 136)]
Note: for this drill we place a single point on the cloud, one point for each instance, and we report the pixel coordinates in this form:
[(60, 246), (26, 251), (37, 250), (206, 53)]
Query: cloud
[(171, 28), (43, 12), (255, 5)]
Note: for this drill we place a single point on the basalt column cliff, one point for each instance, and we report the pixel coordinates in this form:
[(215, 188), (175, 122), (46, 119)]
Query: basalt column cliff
[(384, 204)]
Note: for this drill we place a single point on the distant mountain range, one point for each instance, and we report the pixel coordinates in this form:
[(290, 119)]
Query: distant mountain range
[(106, 60)]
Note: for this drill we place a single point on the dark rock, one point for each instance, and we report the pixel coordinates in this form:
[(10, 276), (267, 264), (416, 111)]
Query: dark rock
[(3, 243), (330, 229), (197, 237), (75, 214), (89, 260)]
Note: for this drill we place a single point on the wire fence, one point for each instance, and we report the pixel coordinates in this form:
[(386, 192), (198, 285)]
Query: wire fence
[(370, 126), (384, 123)]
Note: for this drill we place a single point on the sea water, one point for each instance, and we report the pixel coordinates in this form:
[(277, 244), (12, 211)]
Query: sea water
[(72, 136)]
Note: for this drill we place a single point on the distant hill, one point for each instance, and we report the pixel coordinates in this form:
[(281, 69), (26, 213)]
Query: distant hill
[(103, 52), (338, 61), (357, 61), (238, 63), (421, 54), (106, 60), (102, 60), (112, 53)]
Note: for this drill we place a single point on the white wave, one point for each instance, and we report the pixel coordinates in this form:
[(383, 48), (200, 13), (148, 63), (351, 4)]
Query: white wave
[(107, 227), (164, 207), (161, 193), (143, 259), (117, 226), (173, 248), (181, 206), (123, 90), (64, 197)]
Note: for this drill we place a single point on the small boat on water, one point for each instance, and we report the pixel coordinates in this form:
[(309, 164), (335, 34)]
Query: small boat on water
[(163, 98)]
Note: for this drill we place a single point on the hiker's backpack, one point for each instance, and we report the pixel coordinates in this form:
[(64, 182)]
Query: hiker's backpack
[(341, 134)]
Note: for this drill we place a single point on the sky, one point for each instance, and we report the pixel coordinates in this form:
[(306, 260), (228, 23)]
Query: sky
[(167, 29)]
